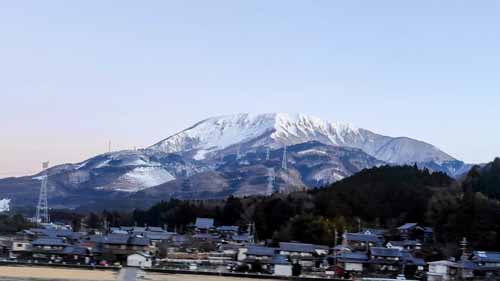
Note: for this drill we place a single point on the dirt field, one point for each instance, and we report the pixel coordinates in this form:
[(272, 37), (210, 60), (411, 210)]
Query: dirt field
[(60, 274), (35, 273), (186, 277)]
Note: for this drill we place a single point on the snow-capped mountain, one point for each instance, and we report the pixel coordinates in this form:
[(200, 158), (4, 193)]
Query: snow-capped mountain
[(245, 132), (231, 155)]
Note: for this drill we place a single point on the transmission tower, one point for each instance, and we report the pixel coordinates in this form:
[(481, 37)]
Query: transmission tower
[(42, 209), (270, 180), (284, 164), (238, 152)]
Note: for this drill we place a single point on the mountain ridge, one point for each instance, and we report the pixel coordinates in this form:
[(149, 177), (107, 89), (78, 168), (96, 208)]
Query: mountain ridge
[(220, 150)]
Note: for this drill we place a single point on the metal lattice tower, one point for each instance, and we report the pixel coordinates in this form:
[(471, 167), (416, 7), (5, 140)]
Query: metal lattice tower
[(238, 152), (42, 209), (284, 164), (270, 180)]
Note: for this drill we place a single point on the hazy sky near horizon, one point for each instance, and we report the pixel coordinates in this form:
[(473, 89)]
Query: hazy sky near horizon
[(74, 75)]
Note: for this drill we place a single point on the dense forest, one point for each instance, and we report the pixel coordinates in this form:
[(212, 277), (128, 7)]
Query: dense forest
[(381, 197)]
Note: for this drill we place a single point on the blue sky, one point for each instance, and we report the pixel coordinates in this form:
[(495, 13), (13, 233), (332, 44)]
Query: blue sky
[(75, 74)]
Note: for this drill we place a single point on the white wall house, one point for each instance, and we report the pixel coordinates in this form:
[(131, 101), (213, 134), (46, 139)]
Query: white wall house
[(281, 266), (442, 271), (140, 260)]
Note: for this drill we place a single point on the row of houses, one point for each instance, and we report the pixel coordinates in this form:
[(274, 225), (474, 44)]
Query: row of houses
[(367, 252)]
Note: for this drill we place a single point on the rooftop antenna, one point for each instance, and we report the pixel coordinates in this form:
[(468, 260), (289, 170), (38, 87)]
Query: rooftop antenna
[(42, 209)]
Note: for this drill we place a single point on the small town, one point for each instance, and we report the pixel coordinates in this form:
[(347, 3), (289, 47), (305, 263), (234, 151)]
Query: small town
[(205, 248), (250, 140)]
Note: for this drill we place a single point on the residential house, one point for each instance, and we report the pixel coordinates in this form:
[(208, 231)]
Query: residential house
[(360, 242), (485, 259), (48, 245), (305, 254), (140, 259), (411, 231), (353, 262), (409, 245), (385, 259), (380, 233), (228, 230), (281, 266), (204, 225), (442, 271), (120, 245), (254, 252), (75, 254)]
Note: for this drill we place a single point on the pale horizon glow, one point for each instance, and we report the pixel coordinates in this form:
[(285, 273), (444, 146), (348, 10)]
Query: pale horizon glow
[(75, 75)]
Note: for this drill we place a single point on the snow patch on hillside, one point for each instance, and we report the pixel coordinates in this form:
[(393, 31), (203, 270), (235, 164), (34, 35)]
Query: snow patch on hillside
[(144, 177), (4, 205)]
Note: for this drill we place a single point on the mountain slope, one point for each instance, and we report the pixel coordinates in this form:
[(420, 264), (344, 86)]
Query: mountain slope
[(310, 164)]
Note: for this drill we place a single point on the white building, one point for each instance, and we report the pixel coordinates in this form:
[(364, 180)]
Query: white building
[(442, 271), (281, 266), (141, 260)]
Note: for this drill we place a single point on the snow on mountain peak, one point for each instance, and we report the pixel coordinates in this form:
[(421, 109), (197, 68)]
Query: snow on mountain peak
[(274, 130), (221, 132)]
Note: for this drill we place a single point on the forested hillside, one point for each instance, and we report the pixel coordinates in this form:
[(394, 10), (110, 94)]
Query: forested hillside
[(382, 197)]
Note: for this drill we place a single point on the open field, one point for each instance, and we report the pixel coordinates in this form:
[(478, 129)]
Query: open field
[(45, 273), (60, 274), (187, 277)]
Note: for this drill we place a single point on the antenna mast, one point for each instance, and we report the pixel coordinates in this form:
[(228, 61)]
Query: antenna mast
[(42, 209)]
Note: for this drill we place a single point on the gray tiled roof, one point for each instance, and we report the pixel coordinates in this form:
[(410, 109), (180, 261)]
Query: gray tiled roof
[(385, 252), (373, 231), (362, 238), (155, 229), (407, 226), (254, 250), (138, 241), (297, 247), (116, 239), (491, 257), (241, 238), (49, 242), (204, 223), (354, 256), (232, 228), (75, 250)]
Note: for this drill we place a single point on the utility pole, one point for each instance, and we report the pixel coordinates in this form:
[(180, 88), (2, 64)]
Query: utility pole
[(463, 248)]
